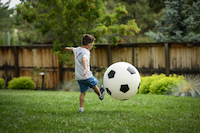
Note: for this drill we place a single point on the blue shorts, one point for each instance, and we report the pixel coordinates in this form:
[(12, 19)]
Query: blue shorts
[(84, 84)]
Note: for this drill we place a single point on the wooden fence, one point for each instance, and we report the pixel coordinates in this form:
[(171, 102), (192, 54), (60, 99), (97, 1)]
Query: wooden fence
[(149, 58)]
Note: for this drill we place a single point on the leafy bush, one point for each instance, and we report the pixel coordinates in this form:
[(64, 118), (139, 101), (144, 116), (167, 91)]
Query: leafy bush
[(189, 88), (147, 81), (159, 84), (2, 83), (21, 83), (165, 84)]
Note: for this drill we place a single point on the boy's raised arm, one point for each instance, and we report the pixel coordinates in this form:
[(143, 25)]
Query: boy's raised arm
[(69, 48)]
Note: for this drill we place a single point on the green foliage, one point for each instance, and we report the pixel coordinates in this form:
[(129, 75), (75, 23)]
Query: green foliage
[(2, 83), (6, 20), (28, 30), (64, 56), (21, 83), (164, 84), (178, 22), (157, 5), (27, 12), (136, 9), (159, 84), (147, 81), (191, 87), (109, 24), (69, 20)]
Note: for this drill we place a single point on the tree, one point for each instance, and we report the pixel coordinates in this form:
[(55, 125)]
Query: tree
[(156, 5), (5, 21), (141, 12), (28, 31), (69, 20), (178, 22)]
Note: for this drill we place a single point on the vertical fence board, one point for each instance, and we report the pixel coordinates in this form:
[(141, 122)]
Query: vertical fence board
[(135, 62), (93, 56), (173, 59), (139, 58), (99, 58), (189, 58), (184, 57), (180, 57), (122, 54), (193, 58), (161, 60), (109, 55), (34, 57)]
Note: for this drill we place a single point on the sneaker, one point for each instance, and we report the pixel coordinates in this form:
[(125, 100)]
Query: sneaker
[(102, 93), (80, 111)]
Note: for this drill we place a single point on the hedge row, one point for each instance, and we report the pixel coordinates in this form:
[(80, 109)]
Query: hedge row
[(159, 84)]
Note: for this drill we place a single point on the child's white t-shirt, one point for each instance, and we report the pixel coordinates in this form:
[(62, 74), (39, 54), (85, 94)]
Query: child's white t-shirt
[(79, 53)]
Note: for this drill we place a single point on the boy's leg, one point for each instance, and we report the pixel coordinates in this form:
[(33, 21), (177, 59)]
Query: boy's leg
[(99, 92), (82, 98), (96, 90)]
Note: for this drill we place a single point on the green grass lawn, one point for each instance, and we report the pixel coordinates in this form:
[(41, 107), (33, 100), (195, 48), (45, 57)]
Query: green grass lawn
[(56, 111)]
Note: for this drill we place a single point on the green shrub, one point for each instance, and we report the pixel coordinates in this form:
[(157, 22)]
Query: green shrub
[(147, 81), (165, 84), (159, 84), (2, 83), (21, 83)]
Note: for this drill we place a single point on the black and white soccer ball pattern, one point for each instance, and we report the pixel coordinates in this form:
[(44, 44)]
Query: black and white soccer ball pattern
[(121, 80)]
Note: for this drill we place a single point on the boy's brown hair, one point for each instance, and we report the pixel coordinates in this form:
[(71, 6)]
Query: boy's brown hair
[(87, 39)]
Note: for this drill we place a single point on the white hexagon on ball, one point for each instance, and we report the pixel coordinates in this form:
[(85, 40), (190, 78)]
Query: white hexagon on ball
[(121, 80)]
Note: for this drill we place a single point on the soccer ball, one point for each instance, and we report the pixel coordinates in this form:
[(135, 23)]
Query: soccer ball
[(121, 80)]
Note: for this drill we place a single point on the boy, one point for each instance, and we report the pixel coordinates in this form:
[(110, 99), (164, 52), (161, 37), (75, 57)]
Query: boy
[(82, 69)]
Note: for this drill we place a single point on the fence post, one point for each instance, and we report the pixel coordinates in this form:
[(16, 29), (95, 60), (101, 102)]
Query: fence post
[(16, 57), (61, 72), (167, 63), (109, 55)]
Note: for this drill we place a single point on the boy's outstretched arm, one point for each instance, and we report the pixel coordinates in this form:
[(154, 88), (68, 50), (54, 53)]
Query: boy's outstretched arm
[(69, 48)]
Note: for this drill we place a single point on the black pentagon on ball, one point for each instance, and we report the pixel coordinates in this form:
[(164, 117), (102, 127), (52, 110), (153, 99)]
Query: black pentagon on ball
[(124, 88), (131, 70), (108, 91), (111, 74)]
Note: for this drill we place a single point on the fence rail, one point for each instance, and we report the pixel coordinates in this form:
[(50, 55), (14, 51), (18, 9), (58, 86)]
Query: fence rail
[(180, 58)]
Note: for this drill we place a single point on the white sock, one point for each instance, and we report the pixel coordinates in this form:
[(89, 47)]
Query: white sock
[(81, 108)]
